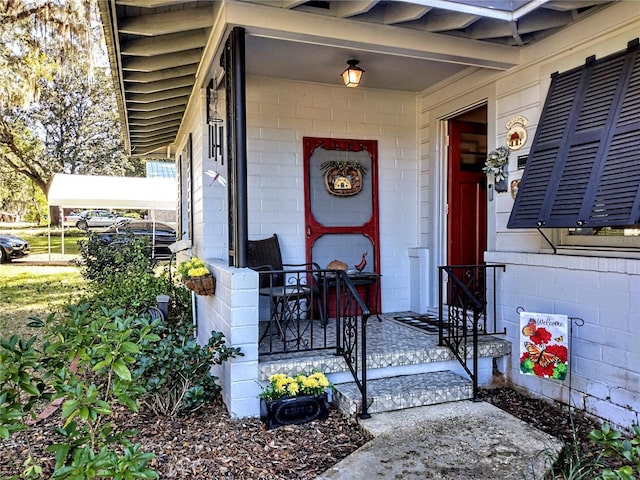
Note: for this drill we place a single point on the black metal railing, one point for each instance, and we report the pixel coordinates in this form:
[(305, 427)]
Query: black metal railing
[(352, 314), (463, 292), (312, 309)]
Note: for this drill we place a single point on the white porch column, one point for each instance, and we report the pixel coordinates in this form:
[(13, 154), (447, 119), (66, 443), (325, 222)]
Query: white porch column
[(419, 279), (233, 310)]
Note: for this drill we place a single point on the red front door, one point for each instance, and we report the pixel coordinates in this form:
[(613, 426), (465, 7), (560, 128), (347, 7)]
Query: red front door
[(467, 193)]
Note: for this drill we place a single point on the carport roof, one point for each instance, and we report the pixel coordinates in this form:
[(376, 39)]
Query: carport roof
[(87, 191)]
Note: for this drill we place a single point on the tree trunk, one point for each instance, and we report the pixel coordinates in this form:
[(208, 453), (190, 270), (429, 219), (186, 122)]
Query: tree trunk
[(54, 216)]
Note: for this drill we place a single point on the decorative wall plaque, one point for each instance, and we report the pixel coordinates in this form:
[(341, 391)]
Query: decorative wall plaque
[(516, 133), (514, 186)]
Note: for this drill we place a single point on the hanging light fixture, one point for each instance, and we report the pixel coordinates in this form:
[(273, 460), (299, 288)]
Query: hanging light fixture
[(352, 74)]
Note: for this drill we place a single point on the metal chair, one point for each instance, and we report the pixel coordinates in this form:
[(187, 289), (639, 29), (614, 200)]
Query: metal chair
[(291, 295)]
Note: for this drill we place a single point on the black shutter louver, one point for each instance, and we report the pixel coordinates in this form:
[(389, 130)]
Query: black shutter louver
[(584, 165)]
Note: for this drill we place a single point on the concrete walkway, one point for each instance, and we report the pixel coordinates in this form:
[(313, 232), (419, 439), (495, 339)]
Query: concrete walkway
[(451, 441)]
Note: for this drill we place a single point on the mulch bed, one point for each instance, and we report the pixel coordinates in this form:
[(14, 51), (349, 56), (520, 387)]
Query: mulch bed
[(210, 445)]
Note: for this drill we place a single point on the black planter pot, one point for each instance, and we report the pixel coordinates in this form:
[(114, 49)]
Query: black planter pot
[(294, 410)]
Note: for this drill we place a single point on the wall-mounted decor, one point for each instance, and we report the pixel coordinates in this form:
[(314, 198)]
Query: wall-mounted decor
[(497, 164), (343, 178), (522, 161), (215, 122), (516, 133), (197, 277), (513, 187)]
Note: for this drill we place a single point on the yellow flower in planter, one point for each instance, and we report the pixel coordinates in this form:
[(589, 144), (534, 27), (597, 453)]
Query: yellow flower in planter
[(198, 272), (293, 388), (283, 386), (292, 400), (321, 379), (194, 267), (197, 277)]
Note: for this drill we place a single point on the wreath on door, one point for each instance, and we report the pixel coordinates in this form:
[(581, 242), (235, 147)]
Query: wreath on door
[(343, 178)]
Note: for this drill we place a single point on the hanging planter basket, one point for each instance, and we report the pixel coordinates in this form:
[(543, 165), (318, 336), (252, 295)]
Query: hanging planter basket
[(203, 285)]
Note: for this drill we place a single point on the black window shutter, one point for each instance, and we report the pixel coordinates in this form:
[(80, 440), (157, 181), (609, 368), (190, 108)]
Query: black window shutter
[(583, 168)]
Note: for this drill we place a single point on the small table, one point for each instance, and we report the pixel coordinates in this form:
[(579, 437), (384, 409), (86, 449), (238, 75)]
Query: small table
[(366, 279), (287, 304)]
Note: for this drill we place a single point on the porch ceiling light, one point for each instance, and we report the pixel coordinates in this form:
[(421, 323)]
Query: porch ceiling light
[(352, 74)]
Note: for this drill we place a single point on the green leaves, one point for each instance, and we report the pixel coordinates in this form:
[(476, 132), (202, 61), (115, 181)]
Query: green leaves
[(20, 385), (121, 370), (176, 373), (103, 353), (624, 448)]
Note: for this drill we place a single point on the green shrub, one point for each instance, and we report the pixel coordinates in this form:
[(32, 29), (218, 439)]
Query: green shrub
[(85, 360), (104, 352), (176, 374), (101, 262), (625, 449), (126, 277), (20, 385)]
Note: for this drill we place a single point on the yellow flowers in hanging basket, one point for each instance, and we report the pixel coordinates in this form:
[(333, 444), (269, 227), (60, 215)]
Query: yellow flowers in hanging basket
[(194, 267), (197, 277)]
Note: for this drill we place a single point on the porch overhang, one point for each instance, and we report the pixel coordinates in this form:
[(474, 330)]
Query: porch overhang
[(160, 51)]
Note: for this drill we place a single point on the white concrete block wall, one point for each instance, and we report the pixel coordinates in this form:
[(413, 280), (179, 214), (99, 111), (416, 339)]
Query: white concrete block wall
[(280, 113), (604, 363), (233, 310), (605, 292)]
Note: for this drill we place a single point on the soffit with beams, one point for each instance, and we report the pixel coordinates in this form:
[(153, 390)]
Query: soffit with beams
[(156, 46)]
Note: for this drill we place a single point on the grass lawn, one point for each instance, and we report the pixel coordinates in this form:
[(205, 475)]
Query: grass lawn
[(38, 239), (34, 291)]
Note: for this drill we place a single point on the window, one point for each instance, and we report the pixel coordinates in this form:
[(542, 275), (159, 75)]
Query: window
[(583, 170), (619, 238)]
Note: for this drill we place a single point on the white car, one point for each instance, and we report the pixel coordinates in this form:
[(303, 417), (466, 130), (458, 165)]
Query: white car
[(95, 218)]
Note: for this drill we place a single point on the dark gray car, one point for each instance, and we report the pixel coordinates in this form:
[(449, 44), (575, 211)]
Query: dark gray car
[(160, 235), (12, 247)]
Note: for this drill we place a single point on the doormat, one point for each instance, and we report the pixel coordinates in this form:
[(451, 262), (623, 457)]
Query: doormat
[(428, 323)]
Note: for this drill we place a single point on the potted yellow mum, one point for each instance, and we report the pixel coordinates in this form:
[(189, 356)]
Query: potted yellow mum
[(288, 400), (197, 277)]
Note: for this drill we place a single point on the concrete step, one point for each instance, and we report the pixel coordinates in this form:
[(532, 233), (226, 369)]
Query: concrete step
[(404, 391), (391, 355)]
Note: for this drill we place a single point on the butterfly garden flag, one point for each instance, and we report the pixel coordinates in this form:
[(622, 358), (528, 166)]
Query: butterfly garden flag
[(544, 348)]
